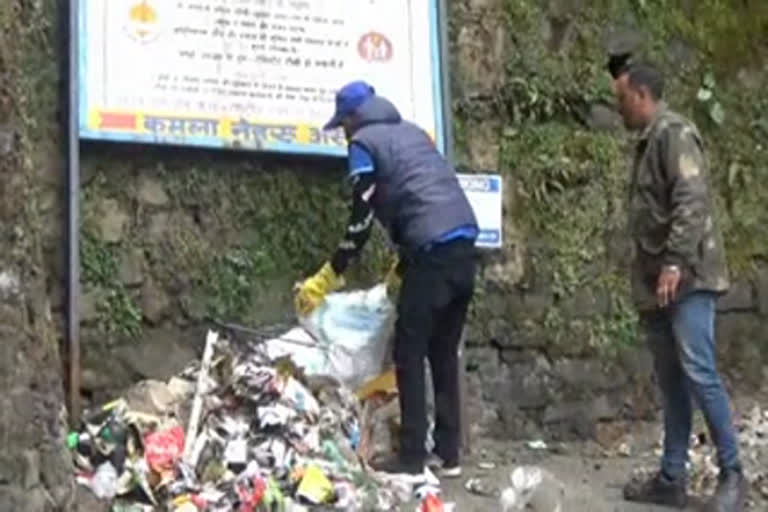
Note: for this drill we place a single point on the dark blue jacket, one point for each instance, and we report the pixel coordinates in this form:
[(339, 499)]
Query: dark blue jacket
[(418, 198)]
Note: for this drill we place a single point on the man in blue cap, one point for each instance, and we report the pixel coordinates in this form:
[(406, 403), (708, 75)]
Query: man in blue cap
[(401, 179)]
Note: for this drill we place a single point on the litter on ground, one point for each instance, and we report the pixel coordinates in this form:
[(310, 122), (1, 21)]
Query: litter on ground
[(256, 425)]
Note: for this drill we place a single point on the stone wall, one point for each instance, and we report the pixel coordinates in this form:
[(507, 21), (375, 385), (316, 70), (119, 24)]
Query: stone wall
[(173, 238), (553, 331), (35, 467)]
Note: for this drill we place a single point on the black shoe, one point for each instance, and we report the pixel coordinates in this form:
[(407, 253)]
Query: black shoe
[(414, 472), (731, 493), (658, 490)]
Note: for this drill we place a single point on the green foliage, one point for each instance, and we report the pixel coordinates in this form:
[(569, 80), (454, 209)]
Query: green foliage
[(616, 330), (253, 228), (294, 217), (729, 34), (233, 279), (570, 185), (603, 334), (739, 162), (98, 262), (570, 189), (119, 314), (544, 80)]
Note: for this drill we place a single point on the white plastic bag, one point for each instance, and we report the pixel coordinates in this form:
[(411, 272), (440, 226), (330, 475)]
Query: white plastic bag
[(346, 338), (533, 489)]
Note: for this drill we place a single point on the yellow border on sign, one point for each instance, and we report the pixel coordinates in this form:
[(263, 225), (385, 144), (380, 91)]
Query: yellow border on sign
[(302, 132)]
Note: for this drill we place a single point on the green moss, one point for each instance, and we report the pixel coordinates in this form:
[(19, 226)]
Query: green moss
[(542, 83), (235, 236), (98, 261), (289, 215), (119, 314), (571, 183), (729, 34), (570, 187), (618, 329), (233, 279)]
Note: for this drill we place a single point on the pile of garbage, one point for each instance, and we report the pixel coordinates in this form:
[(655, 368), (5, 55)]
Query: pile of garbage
[(246, 428)]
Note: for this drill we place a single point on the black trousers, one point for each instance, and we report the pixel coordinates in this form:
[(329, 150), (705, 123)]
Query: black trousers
[(436, 290)]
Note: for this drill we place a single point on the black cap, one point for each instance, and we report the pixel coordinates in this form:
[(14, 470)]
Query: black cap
[(618, 64)]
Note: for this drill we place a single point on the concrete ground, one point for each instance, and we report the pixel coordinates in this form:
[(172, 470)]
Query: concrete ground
[(593, 481), (591, 485)]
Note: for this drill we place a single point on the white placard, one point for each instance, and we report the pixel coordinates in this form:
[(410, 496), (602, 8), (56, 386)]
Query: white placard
[(255, 74), (484, 192)]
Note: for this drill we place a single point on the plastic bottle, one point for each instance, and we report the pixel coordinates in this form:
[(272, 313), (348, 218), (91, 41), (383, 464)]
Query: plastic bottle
[(81, 443)]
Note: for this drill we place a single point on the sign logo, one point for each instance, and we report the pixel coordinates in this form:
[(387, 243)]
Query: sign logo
[(375, 47), (142, 25)]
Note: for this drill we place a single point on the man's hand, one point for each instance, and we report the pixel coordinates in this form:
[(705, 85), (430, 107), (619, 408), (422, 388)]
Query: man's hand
[(668, 285), (312, 292)]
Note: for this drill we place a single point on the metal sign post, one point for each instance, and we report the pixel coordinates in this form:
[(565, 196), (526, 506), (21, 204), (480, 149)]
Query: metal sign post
[(73, 217)]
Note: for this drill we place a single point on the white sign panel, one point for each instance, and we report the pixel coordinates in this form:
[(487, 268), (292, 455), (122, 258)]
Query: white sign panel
[(254, 74), (485, 195)]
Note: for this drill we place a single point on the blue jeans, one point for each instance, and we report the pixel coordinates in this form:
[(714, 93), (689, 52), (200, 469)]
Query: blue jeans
[(682, 340)]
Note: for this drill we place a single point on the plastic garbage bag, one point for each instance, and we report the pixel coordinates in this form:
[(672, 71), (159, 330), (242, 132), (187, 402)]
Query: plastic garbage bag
[(346, 338)]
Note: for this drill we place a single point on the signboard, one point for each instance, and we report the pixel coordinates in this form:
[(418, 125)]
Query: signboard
[(485, 195), (251, 74)]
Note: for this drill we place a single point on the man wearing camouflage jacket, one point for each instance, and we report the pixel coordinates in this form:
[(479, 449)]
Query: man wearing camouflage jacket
[(678, 272)]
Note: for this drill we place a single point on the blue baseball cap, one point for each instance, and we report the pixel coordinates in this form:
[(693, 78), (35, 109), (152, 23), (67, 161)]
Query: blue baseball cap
[(348, 99)]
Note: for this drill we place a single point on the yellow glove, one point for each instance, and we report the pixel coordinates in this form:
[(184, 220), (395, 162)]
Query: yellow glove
[(312, 292), (392, 279)]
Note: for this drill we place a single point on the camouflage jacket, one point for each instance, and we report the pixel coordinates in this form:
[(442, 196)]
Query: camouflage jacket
[(671, 215)]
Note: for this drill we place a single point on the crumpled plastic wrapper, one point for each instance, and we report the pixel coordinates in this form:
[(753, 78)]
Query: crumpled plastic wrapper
[(533, 489)]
